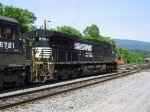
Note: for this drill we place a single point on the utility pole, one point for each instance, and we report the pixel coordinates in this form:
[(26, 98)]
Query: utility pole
[(45, 24)]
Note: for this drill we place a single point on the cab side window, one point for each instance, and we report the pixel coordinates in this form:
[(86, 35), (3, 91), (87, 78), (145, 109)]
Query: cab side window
[(0, 33), (13, 34), (7, 33)]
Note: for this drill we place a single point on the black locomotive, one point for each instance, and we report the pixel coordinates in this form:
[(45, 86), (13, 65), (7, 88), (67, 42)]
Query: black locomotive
[(51, 56), (12, 53)]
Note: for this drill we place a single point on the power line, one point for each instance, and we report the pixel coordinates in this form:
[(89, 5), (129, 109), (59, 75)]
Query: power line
[(124, 31)]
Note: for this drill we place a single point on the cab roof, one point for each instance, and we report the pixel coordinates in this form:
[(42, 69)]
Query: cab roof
[(8, 19)]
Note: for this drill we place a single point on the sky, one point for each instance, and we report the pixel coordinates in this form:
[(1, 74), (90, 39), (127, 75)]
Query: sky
[(118, 19)]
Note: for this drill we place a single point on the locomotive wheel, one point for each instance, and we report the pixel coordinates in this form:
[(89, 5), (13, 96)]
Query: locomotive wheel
[(80, 73), (19, 82), (108, 70), (65, 76), (42, 77), (74, 75), (115, 67), (1, 83)]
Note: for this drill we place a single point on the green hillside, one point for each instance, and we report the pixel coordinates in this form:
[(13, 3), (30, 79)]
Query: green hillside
[(133, 44)]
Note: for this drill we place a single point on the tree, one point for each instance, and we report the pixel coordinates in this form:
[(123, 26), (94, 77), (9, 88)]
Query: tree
[(91, 32), (107, 39), (23, 16), (68, 30), (132, 56), (1, 9)]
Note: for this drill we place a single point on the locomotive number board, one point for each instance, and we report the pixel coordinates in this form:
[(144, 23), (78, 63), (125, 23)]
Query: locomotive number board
[(7, 45)]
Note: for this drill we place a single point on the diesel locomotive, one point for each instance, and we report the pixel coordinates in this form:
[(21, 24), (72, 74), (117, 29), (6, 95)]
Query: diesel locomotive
[(51, 55)]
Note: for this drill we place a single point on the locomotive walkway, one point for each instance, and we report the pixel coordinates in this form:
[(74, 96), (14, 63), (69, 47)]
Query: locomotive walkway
[(20, 99)]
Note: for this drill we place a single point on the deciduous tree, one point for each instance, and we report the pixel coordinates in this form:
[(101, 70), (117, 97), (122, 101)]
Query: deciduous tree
[(25, 17), (68, 30), (92, 32)]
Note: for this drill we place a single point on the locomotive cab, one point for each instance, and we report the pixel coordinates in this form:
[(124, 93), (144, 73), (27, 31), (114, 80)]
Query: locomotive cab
[(12, 47), (12, 53)]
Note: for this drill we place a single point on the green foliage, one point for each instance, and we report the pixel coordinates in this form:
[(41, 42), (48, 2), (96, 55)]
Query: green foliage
[(107, 39), (28, 42), (23, 16), (68, 30), (142, 52), (41, 27), (92, 32), (1, 9), (132, 56)]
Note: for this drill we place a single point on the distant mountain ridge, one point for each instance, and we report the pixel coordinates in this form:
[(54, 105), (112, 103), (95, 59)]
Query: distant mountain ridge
[(133, 44)]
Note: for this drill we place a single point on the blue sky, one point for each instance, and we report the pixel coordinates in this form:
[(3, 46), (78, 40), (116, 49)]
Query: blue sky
[(121, 19)]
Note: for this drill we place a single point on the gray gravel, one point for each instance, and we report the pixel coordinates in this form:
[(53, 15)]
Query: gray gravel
[(47, 86), (125, 94)]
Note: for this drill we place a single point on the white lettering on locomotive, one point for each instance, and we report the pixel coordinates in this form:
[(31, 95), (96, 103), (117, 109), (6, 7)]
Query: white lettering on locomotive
[(7, 45), (1, 44), (88, 54), (43, 39), (43, 52), (80, 46)]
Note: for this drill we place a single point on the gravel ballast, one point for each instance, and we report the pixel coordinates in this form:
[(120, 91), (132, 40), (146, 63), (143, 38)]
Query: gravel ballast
[(126, 94)]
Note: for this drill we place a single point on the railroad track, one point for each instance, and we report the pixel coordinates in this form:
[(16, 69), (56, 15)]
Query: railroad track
[(11, 101)]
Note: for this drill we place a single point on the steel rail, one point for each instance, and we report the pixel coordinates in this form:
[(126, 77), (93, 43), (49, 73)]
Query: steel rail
[(30, 96)]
